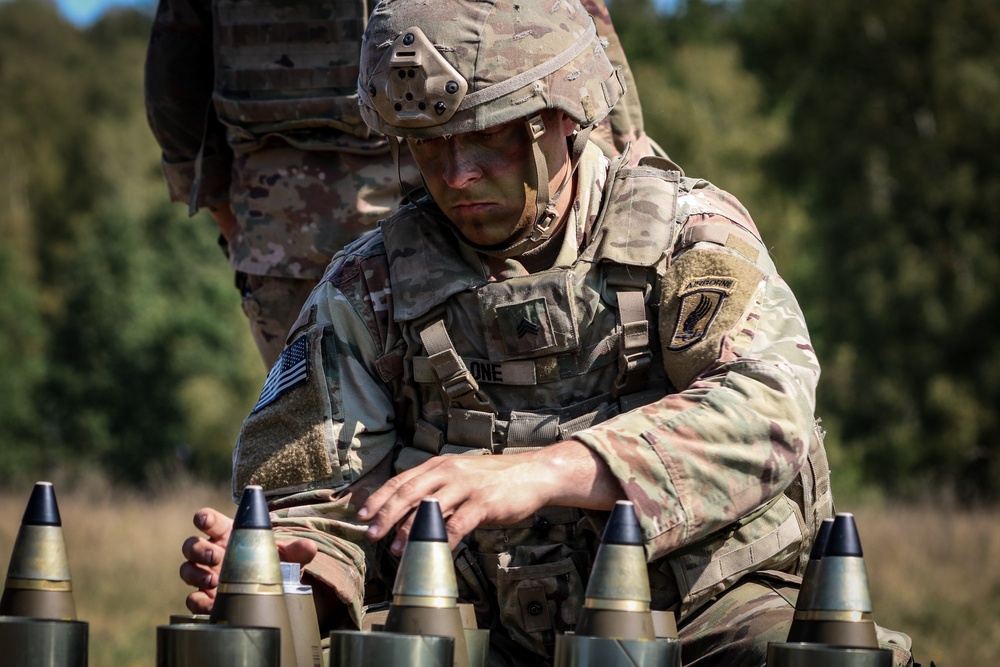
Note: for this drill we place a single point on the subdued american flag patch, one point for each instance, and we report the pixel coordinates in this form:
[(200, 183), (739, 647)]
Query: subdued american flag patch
[(291, 370)]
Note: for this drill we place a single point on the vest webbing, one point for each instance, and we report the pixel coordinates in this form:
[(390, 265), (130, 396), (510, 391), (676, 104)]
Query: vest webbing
[(287, 65), (473, 424), (455, 379), (771, 537), (635, 357)]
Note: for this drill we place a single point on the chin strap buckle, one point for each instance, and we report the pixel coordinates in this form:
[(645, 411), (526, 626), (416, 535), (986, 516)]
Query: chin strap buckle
[(543, 225)]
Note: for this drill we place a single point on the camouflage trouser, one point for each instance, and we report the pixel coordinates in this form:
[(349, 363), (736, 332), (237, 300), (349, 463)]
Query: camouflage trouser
[(734, 629), (295, 209), (271, 305)]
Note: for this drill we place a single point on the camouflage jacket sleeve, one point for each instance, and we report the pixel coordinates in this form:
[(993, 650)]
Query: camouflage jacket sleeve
[(320, 438), (736, 345), (179, 75)]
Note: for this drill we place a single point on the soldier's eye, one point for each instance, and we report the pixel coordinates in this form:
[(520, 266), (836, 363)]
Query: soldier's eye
[(497, 131), (429, 141)]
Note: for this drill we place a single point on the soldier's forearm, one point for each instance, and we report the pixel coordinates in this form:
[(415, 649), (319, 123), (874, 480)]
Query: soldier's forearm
[(579, 477)]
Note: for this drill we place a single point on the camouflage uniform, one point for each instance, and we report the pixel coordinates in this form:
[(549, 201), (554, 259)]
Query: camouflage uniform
[(661, 337), (711, 435), (266, 121)]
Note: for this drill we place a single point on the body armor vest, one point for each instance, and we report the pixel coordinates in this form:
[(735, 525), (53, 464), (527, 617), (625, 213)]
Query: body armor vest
[(283, 66), (528, 361), (497, 367)]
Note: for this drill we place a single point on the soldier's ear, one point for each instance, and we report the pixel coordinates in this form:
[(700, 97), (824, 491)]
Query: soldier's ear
[(559, 123), (567, 126)]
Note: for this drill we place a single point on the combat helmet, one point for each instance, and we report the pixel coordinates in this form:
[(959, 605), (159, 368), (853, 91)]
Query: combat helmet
[(443, 67)]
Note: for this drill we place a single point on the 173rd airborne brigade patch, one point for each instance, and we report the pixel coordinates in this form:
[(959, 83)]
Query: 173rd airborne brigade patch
[(701, 299), (705, 293)]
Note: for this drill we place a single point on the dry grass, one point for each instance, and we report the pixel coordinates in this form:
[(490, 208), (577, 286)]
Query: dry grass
[(935, 574), (124, 551)]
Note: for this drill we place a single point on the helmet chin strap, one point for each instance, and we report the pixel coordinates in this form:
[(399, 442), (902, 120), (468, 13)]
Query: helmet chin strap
[(536, 196), (545, 208)]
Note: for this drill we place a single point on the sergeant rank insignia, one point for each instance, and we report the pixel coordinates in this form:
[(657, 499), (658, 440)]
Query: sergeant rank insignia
[(701, 301)]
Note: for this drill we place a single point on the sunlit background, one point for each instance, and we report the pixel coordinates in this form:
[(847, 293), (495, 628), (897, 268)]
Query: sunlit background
[(862, 135)]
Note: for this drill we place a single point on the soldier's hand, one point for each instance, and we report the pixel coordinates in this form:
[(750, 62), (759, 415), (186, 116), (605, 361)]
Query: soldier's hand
[(204, 558), (224, 218), (476, 490), (205, 554)]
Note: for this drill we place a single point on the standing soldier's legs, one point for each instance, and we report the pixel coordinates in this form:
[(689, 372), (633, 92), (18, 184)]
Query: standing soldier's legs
[(295, 209), (272, 305)]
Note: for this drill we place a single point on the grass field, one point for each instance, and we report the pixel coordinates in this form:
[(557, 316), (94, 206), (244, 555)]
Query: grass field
[(934, 574), (124, 551)]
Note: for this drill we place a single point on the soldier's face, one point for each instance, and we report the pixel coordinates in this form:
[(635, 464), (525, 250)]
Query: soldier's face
[(479, 179)]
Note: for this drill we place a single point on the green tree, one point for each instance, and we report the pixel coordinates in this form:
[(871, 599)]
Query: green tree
[(710, 113), (122, 340), (30, 163), (892, 144)]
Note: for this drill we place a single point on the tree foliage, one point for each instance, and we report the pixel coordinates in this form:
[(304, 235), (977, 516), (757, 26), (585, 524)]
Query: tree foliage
[(860, 135), (121, 341), (892, 136)]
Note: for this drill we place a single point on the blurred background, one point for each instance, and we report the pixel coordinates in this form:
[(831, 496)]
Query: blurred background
[(863, 136)]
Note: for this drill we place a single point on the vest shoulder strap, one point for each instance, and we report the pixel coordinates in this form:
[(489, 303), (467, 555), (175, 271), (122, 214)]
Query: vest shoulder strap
[(425, 263), (637, 222)]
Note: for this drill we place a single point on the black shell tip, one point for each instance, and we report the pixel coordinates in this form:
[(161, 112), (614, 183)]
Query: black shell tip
[(252, 512), (623, 526), (428, 525), (822, 537), (844, 539), (42, 509)]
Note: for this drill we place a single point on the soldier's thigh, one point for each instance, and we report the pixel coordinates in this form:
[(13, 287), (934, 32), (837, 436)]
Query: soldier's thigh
[(272, 305), (307, 203), (734, 629)]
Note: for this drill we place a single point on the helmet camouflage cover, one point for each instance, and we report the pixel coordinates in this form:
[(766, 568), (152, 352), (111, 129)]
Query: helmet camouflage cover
[(438, 67)]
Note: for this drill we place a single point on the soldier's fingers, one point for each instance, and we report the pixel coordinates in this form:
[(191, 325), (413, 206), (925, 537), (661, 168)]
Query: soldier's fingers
[(201, 551), (402, 532), (199, 577), (403, 486), (458, 523), (213, 523), (377, 500), (200, 602), (300, 551), (399, 499), (462, 521)]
